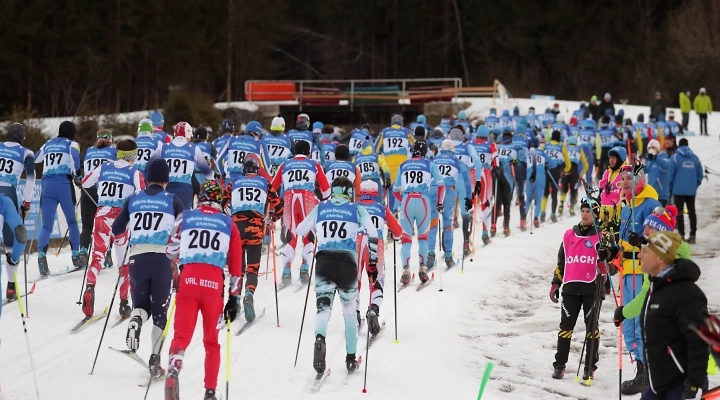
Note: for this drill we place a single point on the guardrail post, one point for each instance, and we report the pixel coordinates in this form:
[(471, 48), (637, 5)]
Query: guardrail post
[(301, 96), (352, 96)]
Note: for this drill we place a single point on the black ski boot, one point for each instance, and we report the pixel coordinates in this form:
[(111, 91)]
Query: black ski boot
[(372, 319), (466, 248), (485, 238), (351, 363), (43, 265), (249, 305), (172, 386), (124, 309), (691, 239), (635, 385), (108, 259), (319, 357), (10, 292), (83, 258), (558, 373), (422, 273), (132, 337), (449, 263), (553, 218), (209, 395), (431, 260), (156, 370)]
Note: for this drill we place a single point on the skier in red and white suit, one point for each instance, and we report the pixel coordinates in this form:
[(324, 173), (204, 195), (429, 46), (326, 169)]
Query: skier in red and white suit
[(298, 176), (204, 241)]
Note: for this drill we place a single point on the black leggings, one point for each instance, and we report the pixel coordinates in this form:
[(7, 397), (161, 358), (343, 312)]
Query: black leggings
[(551, 186), (569, 311), (503, 199), (88, 208), (568, 183), (680, 203)]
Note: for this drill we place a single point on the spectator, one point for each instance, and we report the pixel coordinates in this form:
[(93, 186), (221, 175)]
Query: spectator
[(675, 356), (656, 174), (702, 106), (657, 106), (685, 107), (686, 175), (555, 109), (670, 145), (594, 109), (607, 104)]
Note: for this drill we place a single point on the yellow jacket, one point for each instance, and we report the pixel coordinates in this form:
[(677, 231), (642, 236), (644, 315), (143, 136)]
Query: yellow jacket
[(647, 194), (381, 160)]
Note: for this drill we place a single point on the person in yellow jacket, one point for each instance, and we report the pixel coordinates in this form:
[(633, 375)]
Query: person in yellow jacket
[(702, 106), (373, 167), (570, 181), (395, 143), (685, 108), (557, 162)]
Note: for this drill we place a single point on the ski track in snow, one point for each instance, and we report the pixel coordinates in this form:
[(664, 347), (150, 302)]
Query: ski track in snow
[(498, 311)]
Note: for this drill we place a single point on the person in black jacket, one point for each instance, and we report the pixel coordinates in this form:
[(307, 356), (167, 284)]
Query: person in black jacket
[(657, 106), (607, 104), (594, 109), (675, 356), (581, 272)]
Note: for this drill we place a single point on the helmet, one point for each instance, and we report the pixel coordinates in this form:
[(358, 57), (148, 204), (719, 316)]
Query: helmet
[(227, 126), (462, 115), (447, 145), (157, 119), (571, 140), (253, 128), (420, 148), (278, 124), (342, 187), (16, 133), (587, 124), (368, 190), (560, 118), (145, 126), (482, 131), (183, 129), (302, 122), (251, 164), (211, 192)]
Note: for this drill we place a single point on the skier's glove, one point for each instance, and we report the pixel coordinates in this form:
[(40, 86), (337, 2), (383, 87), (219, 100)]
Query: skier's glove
[(532, 177), (231, 308), (10, 261), (495, 172), (618, 318), (637, 239), (24, 209), (439, 207), (388, 184), (692, 391), (555, 293), (604, 253), (468, 204), (77, 181), (477, 188)]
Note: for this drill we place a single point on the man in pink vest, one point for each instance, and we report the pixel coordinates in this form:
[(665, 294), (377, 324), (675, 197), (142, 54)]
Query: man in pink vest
[(581, 271)]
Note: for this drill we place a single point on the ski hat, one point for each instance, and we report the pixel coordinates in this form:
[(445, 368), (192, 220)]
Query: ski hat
[(67, 130), (227, 126), (493, 111), (671, 114), (157, 119), (607, 96), (641, 118), (661, 117), (211, 192), (665, 244), (588, 124), (438, 132), (396, 119), (608, 112), (302, 122), (419, 132), (683, 142), (16, 133), (621, 113), (457, 133), (556, 136), (571, 140), (462, 115), (201, 132), (157, 171), (506, 113), (618, 119), (420, 148), (516, 110), (662, 219), (183, 129), (368, 190), (628, 122), (593, 99), (560, 118), (253, 128), (482, 131), (342, 152), (145, 126), (421, 119), (302, 147), (653, 147), (520, 130), (317, 127), (702, 90), (591, 204), (573, 121), (447, 145), (278, 124), (619, 152)]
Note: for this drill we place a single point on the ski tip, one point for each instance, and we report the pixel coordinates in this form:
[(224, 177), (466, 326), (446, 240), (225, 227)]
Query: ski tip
[(32, 288), (433, 275)]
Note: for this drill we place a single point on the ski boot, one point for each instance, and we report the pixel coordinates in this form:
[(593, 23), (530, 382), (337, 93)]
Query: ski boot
[(172, 385), (558, 373), (466, 248), (286, 276), (43, 265), (155, 367), (359, 319), (124, 309), (449, 263), (304, 274), (493, 230), (553, 218), (691, 239), (485, 238), (431, 260), (422, 273), (75, 259), (405, 277), (209, 395), (249, 305), (588, 375), (83, 258), (372, 319), (536, 223), (560, 208), (319, 357), (88, 302), (108, 260), (506, 232), (523, 226), (10, 292), (351, 362), (132, 338), (456, 224), (635, 385), (542, 216), (571, 211)]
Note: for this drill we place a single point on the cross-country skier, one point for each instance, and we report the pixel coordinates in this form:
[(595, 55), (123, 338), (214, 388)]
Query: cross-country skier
[(227, 127), (606, 133), (411, 188), (204, 241), (182, 157), (61, 161), (457, 189), (375, 264), (374, 168), (491, 121), (115, 182), (559, 125), (148, 217), (330, 140), (253, 204), (395, 142), (520, 167), (230, 158), (558, 162), (487, 151), (302, 133), (536, 161), (357, 137), (336, 223), (158, 122), (504, 181), (465, 152), (569, 181), (103, 151), (436, 138), (14, 158), (421, 120), (463, 121), (588, 140), (278, 145), (146, 144), (208, 150), (343, 167), (10, 217), (581, 272), (298, 176)]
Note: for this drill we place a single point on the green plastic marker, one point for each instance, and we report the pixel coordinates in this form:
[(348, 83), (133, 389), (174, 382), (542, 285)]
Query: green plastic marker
[(486, 377)]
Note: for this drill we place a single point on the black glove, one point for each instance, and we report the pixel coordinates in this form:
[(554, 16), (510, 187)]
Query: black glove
[(10, 261), (555, 293), (231, 308), (618, 318), (495, 172), (24, 210), (388, 184), (532, 177), (77, 181), (636, 239), (692, 392), (468, 204), (477, 188), (604, 252), (439, 207)]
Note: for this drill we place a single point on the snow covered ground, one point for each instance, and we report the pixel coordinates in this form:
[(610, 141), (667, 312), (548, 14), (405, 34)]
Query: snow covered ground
[(498, 311)]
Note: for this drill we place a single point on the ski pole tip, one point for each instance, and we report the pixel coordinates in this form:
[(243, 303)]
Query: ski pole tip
[(364, 390), (397, 341)]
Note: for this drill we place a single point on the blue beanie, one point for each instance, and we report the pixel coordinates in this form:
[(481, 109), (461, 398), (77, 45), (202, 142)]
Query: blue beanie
[(157, 171), (482, 131), (157, 118), (462, 115), (520, 129), (421, 119)]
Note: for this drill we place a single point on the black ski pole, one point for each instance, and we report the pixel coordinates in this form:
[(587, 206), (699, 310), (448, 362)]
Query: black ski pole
[(25, 259), (395, 285), (107, 318), (27, 342), (307, 295), (367, 346), (441, 243), (272, 245)]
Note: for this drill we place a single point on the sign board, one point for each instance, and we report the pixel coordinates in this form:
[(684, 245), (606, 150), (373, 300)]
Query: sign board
[(32, 219)]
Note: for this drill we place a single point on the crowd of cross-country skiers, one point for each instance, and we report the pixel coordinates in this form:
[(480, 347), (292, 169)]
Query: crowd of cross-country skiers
[(181, 211)]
